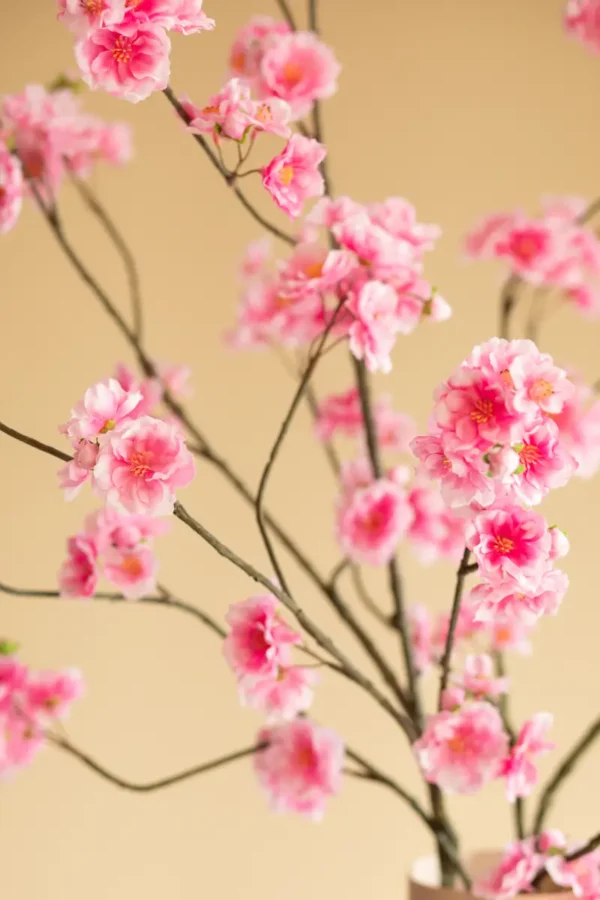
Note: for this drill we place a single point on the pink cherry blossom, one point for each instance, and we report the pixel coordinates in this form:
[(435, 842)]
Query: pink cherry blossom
[(540, 386), (340, 414), (544, 464), (175, 377), (559, 543), (551, 840), (467, 628), (475, 409), (257, 257), (21, 741), (250, 45), (463, 750), (104, 406), (373, 333), (227, 114), (112, 530), (506, 634), (395, 430), (355, 474), (514, 874), (190, 18), (127, 60), (132, 571), (78, 576), (293, 176), (11, 189), (519, 769), (315, 269), (510, 544), (502, 461), (436, 531), (399, 218), (272, 116), (581, 875), (149, 388), (463, 472), (85, 16), (48, 696), (298, 68), (142, 465), (420, 629), (259, 641), (71, 479), (301, 768), (506, 600), (375, 248), (478, 678), (283, 697), (582, 21), (372, 521), (266, 316), (452, 698)]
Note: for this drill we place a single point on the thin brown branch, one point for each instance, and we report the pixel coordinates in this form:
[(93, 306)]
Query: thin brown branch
[(458, 592), (322, 639), (589, 847), (228, 177), (508, 302), (565, 768), (166, 600), (395, 580), (150, 786), (286, 13), (32, 442), (275, 449), (129, 263)]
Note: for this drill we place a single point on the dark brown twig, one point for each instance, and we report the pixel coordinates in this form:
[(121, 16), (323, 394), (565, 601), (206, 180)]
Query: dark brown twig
[(395, 581), (283, 430), (565, 768), (458, 592), (166, 599), (129, 263), (150, 786), (32, 442), (286, 13)]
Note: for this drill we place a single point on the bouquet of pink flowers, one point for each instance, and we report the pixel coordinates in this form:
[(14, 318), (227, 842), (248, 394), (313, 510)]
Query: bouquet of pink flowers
[(505, 428)]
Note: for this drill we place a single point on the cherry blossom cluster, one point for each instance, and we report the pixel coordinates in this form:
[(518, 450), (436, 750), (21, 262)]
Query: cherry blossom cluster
[(530, 859), (123, 46), (134, 460), (301, 764), (45, 133), (374, 515), (553, 250), (375, 271), (582, 20), (30, 704), (114, 546)]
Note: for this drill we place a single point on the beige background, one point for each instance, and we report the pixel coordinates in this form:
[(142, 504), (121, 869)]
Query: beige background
[(464, 107)]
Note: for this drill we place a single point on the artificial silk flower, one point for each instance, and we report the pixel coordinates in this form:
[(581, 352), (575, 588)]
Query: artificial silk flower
[(293, 176)]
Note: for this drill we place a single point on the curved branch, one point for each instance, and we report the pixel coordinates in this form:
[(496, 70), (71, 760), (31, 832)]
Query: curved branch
[(322, 639), (463, 570), (548, 795), (283, 430), (227, 176), (150, 786), (32, 442), (122, 248), (286, 13), (166, 600)]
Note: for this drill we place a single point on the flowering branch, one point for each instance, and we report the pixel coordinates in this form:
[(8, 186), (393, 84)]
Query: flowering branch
[(563, 771), (305, 621), (122, 248), (148, 787), (32, 442), (229, 178), (203, 447), (591, 845)]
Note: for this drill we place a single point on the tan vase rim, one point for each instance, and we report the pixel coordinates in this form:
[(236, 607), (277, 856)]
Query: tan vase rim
[(424, 879)]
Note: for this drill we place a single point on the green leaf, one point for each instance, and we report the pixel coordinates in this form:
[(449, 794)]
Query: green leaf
[(519, 470), (8, 648)]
